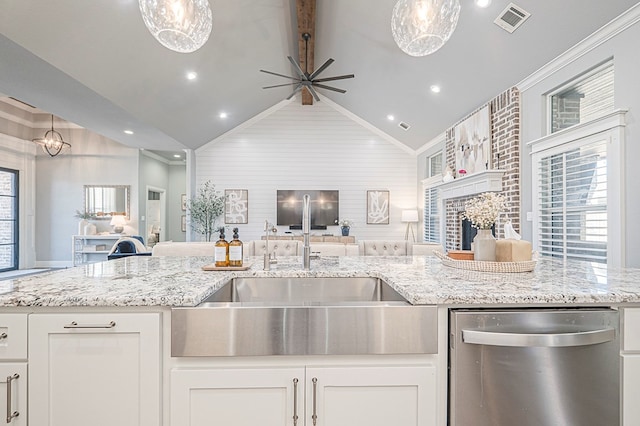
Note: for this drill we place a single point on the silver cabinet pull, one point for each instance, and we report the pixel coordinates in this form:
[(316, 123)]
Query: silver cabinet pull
[(295, 402), (11, 415), (555, 340), (314, 417), (3, 336), (76, 325)]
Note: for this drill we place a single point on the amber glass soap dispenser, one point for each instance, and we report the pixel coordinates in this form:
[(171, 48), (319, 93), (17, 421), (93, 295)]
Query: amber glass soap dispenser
[(221, 251), (235, 250)]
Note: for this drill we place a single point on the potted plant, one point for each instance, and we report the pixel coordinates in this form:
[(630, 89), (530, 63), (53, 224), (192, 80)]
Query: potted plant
[(345, 225), (483, 211), (205, 209)]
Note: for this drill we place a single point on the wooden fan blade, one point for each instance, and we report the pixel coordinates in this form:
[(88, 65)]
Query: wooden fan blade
[(339, 77), (322, 86), (279, 85), (279, 75), (322, 68), (297, 67)]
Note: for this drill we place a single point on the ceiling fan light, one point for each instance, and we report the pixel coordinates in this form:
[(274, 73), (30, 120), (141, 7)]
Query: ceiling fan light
[(420, 27), (180, 25)]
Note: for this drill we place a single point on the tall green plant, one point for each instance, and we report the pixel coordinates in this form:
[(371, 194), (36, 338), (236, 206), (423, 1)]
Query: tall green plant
[(205, 209)]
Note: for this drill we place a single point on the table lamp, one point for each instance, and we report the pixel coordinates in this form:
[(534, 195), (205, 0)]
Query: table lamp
[(118, 222)]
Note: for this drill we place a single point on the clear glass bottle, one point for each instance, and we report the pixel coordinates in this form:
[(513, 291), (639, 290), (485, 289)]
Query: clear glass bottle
[(235, 250), (221, 251)]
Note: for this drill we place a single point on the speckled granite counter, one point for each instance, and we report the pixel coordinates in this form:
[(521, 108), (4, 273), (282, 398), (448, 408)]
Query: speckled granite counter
[(174, 281)]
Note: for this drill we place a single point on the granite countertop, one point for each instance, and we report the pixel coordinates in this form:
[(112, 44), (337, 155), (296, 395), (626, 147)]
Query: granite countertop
[(180, 281)]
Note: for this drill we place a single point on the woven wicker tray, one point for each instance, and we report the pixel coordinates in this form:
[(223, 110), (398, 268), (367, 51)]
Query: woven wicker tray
[(473, 265)]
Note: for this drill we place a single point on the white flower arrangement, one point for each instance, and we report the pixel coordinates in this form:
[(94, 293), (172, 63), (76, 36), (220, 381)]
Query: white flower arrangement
[(345, 222), (483, 211)]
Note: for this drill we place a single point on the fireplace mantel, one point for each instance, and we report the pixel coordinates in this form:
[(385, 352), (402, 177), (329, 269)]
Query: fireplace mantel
[(485, 181)]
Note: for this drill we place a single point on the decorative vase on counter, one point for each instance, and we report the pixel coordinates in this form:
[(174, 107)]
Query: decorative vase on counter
[(484, 246), (90, 229), (345, 231)]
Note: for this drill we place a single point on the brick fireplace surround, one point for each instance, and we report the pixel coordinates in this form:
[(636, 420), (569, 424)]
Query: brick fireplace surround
[(505, 155)]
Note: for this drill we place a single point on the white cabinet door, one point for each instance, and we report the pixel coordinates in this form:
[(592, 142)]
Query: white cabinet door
[(630, 390), (237, 397), (13, 391), (372, 396), (94, 369)]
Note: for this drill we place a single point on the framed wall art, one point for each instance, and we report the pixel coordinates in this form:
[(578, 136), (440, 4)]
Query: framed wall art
[(184, 223), (236, 206), (473, 143), (378, 207), (183, 202)]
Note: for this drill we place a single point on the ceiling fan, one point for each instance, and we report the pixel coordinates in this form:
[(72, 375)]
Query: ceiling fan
[(304, 79)]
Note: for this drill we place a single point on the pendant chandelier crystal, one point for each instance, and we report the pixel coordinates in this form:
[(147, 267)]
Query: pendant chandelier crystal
[(420, 27), (180, 25), (52, 142)]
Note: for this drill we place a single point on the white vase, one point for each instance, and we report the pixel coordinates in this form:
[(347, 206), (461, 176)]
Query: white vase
[(484, 246), (90, 229), (81, 225)]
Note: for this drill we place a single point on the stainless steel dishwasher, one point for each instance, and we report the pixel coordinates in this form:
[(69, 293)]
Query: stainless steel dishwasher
[(537, 367)]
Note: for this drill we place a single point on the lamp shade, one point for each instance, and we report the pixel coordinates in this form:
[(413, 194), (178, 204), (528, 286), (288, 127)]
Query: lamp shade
[(180, 25), (420, 27), (118, 222), (410, 216)]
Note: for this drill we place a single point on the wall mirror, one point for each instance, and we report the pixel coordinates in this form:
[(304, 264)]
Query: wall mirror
[(104, 201)]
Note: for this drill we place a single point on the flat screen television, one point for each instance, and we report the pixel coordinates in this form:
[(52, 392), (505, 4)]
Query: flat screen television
[(324, 208)]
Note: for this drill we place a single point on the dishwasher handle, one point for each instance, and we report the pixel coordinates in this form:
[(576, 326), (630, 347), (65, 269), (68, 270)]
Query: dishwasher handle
[(583, 338)]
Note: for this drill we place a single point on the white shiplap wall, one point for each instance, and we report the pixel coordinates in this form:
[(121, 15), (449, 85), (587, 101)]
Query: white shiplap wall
[(311, 147)]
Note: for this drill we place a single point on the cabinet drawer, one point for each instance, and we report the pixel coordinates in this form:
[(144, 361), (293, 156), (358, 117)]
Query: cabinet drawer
[(631, 329), (13, 336)]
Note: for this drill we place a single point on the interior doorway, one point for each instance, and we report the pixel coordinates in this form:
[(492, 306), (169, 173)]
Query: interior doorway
[(156, 214)]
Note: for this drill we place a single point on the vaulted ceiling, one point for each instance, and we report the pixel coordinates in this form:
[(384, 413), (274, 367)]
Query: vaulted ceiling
[(95, 64)]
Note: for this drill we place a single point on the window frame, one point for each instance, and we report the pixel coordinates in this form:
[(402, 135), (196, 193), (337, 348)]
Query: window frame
[(572, 83), (609, 127)]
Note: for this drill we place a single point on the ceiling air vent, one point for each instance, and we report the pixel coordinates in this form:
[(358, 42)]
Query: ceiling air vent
[(512, 17), (403, 125)]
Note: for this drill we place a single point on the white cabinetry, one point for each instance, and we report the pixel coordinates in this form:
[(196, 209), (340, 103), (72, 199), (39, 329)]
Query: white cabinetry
[(322, 396), (91, 248), (13, 374), (630, 367), (94, 369)]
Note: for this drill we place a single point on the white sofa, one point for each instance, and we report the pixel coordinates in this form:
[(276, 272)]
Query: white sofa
[(294, 248)]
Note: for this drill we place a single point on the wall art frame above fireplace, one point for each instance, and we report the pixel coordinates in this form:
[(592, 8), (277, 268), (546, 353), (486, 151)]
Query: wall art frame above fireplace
[(473, 143)]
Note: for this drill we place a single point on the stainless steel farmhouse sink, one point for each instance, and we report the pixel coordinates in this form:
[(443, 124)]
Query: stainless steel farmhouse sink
[(303, 316)]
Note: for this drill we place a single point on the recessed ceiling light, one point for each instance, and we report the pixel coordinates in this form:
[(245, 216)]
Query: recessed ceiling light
[(435, 89), (177, 156), (390, 117), (191, 75), (223, 115), (129, 132), (483, 3)]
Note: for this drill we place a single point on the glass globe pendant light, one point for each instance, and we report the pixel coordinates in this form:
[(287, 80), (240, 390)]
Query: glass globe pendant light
[(180, 25), (420, 27)]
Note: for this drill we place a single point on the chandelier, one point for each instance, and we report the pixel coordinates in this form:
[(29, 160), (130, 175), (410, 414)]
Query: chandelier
[(180, 25), (52, 142), (420, 27)]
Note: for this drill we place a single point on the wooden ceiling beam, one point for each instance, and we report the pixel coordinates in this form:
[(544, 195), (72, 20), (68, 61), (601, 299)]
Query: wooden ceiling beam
[(306, 13)]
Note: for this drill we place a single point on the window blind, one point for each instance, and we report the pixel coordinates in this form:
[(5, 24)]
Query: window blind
[(431, 216), (573, 203)]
